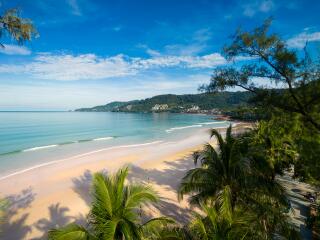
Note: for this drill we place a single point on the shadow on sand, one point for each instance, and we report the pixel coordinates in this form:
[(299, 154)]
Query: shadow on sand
[(168, 178), (58, 217), (16, 228)]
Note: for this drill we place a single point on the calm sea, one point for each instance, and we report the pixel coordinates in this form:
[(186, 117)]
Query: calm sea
[(29, 138)]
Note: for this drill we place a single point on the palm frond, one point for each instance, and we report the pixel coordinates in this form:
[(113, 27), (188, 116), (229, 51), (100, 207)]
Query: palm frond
[(119, 180), (102, 194), (215, 133), (140, 194), (224, 201), (157, 226), (70, 232)]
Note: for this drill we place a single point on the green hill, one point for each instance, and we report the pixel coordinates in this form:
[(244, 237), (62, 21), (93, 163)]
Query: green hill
[(177, 103)]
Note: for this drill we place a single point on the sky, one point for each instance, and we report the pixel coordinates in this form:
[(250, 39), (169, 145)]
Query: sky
[(90, 52)]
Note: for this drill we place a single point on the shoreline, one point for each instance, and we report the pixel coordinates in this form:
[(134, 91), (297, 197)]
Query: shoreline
[(70, 158), (53, 195), (202, 127)]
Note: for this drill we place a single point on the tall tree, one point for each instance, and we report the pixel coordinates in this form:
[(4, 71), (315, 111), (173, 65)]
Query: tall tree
[(219, 169), (270, 58)]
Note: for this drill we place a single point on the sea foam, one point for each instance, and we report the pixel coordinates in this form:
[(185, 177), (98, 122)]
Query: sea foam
[(102, 138), (39, 148), (180, 128)]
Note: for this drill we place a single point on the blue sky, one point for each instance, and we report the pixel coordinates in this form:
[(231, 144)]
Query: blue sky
[(90, 52)]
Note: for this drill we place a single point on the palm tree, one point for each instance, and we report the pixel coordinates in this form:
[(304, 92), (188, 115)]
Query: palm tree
[(218, 170), (20, 29), (221, 221), (216, 221), (235, 167), (114, 212)]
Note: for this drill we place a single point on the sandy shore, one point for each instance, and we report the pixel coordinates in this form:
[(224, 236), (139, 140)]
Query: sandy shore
[(53, 195)]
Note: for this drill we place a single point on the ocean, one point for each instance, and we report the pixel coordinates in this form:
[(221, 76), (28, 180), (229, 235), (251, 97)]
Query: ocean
[(32, 138)]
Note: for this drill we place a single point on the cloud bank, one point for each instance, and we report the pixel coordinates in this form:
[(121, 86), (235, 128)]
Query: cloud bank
[(67, 67)]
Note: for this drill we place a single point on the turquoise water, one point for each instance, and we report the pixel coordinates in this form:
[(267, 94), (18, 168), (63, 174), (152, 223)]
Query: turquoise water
[(25, 137)]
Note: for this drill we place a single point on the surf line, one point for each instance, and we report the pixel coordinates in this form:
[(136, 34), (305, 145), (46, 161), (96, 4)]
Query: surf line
[(77, 156)]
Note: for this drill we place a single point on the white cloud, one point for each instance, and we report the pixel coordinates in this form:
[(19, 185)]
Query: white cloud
[(86, 66), (250, 9), (15, 50), (74, 7), (300, 40), (89, 66), (206, 61)]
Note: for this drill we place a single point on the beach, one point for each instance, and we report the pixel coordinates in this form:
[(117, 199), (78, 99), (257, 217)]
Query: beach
[(55, 194)]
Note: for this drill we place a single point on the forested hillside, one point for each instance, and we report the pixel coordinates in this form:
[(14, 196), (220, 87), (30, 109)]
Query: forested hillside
[(177, 103)]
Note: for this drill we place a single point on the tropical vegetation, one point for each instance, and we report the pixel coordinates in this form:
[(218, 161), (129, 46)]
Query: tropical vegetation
[(238, 172), (115, 211)]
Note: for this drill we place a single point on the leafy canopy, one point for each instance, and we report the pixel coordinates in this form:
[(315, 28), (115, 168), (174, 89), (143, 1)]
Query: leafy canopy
[(270, 59)]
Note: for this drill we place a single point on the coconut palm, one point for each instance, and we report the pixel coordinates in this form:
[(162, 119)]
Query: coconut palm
[(221, 221), (236, 166), (215, 221), (114, 211), (20, 29), (224, 167)]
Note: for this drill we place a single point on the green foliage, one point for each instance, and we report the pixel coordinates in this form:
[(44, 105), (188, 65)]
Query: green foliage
[(274, 140), (307, 143), (285, 141), (71, 232), (220, 222), (177, 103), (247, 113), (218, 169), (114, 211), (242, 169), (20, 29)]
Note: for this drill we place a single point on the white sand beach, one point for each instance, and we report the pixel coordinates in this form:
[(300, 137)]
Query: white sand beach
[(52, 195)]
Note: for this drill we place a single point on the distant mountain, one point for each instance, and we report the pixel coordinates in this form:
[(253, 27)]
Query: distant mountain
[(177, 103), (105, 108)]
